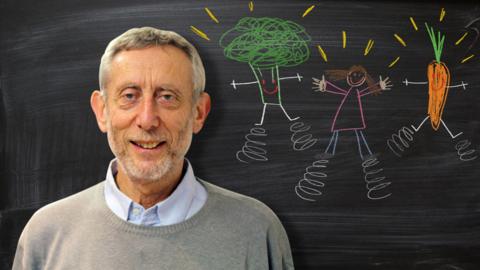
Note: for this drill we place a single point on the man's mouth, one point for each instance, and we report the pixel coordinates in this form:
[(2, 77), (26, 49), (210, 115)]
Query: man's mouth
[(147, 144)]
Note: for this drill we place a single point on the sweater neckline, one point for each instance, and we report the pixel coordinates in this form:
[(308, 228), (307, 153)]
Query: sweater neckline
[(126, 226)]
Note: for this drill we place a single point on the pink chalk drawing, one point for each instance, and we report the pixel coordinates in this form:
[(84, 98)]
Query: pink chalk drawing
[(344, 119)]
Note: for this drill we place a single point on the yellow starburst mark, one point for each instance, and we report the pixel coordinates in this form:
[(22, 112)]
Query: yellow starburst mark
[(461, 39), (308, 10), (368, 47), (467, 58), (399, 39), (394, 62), (322, 53), (413, 24), (212, 16), (199, 32), (442, 14)]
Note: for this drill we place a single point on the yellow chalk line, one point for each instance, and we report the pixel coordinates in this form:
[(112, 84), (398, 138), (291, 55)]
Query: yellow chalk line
[(308, 11), (344, 37), (368, 47), (199, 32), (250, 6), (400, 40), (461, 39), (394, 62), (442, 14), (322, 53), (468, 58), (414, 24), (212, 16)]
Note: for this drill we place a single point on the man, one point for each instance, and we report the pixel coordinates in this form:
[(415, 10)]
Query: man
[(151, 212)]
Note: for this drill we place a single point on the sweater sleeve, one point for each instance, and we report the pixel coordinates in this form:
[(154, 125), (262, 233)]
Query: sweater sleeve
[(35, 243), (279, 253), (26, 257)]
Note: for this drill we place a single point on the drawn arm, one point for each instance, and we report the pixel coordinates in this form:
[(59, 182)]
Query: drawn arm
[(462, 84), (298, 77), (326, 86), (384, 84), (234, 84)]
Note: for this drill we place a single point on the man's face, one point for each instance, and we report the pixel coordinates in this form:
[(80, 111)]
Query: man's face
[(150, 112)]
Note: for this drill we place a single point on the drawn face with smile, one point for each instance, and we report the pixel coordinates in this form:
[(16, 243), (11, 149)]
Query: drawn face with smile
[(356, 77)]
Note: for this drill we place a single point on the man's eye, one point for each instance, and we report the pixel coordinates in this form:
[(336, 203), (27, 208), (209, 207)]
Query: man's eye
[(167, 97), (128, 97)]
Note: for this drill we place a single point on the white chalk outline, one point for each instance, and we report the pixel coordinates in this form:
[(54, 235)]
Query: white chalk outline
[(444, 125), (462, 84), (234, 84)]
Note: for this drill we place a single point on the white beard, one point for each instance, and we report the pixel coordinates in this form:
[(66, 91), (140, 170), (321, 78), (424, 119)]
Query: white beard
[(153, 173), (149, 175)]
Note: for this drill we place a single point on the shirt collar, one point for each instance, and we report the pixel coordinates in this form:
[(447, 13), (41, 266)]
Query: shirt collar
[(176, 208), (118, 202)]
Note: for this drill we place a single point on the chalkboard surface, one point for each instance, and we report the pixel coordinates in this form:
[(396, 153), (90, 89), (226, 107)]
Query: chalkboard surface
[(374, 174)]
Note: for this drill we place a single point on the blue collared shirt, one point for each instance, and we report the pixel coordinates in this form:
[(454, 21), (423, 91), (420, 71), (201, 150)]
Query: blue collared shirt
[(186, 200)]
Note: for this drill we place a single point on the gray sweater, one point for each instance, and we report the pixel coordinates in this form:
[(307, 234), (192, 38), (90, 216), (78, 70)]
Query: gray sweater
[(231, 231)]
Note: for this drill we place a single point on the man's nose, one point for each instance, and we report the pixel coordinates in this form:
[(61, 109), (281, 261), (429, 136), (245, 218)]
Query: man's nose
[(148, 117)]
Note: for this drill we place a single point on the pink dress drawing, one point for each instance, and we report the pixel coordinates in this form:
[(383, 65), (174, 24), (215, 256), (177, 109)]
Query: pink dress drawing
[(350, 115)]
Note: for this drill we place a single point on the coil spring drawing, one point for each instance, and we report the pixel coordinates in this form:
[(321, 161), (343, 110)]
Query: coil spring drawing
[(374, 182), (301, 141), (253, 148), (399, 142), (463, 153), (311, 182)]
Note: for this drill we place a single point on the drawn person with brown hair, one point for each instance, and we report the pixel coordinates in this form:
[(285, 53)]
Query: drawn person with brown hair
[(349, 115)]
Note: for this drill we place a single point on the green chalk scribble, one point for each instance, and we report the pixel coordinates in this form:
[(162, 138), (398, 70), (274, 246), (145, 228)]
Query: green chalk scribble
[(266, 42)]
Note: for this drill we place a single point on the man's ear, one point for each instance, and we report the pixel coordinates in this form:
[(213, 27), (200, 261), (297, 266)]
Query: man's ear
[(97, 103), (202, 108)]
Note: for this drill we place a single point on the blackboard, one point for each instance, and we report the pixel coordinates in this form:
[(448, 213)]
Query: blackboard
[(423, 208)]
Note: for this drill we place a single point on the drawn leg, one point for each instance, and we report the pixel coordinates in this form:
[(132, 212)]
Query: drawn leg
[(421, 124), (286, 114), (332, 145), (448, 130), (263, 115), (362, 142)]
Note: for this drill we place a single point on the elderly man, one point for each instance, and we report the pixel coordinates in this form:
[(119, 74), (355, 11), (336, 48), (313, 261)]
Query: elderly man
[(151, 212)]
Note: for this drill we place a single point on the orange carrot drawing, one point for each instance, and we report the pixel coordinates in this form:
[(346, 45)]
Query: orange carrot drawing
[(438, 86), (438, 80)]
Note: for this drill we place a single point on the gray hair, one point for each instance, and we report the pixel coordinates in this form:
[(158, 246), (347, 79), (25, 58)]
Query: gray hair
[(139, 38)]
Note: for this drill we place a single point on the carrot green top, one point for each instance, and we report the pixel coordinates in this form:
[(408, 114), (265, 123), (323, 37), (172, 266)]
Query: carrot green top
[(437, 42)]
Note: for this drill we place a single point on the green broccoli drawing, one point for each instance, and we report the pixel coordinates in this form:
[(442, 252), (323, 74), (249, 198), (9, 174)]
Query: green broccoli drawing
[(267, 44)]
